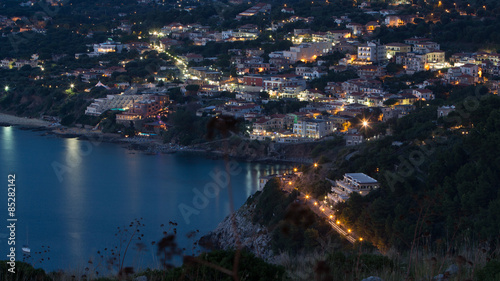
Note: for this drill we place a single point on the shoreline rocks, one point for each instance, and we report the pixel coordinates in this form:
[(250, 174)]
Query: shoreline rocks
[(253, 237)]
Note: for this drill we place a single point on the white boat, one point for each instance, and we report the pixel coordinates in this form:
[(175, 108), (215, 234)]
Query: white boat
[(26, 249)]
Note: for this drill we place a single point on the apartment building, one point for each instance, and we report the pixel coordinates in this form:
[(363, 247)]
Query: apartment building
[(352, 183), (313, 128), (372, 51), (307, 52)]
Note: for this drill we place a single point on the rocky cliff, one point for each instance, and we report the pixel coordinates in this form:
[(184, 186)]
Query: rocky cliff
[(253, 237)]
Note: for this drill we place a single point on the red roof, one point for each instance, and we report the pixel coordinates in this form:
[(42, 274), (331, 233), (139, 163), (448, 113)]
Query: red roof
[(315, 91), (423, 90), (261, 120), (278, 116), (356, 94), (341, 31)]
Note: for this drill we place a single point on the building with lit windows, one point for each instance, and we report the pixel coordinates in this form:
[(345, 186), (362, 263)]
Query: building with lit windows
[(108, 47), (313, 128), (392, 48), (307, 52), (352, 183), (372, 51)]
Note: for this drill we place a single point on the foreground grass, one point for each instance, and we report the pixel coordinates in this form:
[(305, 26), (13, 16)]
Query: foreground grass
[(474, 264)]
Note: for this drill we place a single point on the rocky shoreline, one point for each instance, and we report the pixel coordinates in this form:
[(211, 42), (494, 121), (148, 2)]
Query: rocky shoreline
[(145, 145), (7, 120), (253, 237)]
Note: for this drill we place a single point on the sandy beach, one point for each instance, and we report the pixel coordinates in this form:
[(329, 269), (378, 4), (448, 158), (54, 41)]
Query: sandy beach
[(22, 121)]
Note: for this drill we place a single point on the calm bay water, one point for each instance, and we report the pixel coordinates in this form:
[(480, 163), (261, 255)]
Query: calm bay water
[(72, 195)]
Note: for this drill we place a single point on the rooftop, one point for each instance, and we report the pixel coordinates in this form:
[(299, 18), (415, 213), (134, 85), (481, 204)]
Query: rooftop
[(360, 178)]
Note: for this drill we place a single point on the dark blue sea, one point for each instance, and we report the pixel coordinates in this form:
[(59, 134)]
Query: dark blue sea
[(71, 196)]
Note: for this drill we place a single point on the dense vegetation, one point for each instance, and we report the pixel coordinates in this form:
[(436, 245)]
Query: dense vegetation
[(295, 228), (441, 183), (249, 268)]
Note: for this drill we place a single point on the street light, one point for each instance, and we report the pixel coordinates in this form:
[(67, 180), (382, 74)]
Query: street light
[(72, 85), (6, 88), (337, 222), (315, 165), (365, 123), (360, 238)]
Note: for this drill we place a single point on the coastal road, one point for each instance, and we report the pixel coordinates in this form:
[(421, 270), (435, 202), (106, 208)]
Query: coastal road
[(325, 212)]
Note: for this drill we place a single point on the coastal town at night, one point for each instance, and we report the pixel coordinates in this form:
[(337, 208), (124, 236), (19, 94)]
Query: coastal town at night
[(245, 140)]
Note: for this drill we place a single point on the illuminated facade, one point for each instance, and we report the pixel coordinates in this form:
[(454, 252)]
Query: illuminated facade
[(352, 182), (307, 52), (108, 47), (393, 48), (372, 51)]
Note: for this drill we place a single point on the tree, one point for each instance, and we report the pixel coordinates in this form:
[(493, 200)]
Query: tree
[(192, 88)]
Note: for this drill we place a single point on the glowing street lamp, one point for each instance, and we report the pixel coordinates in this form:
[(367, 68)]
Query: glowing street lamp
[(364, 123), (349, 230), (331, 216), (337, 222), (6, 88), (307, 196), (315, 165), (72, 85), (360, 238)]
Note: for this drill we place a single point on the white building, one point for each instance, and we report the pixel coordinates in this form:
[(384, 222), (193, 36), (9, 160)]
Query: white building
[(108, 47), (445, 110), (313, 128), (124, 102), (352, 182), (423, 94), (425, 47), (309, 72), (372, 51), (307, 52), (277, 83), (353, 139), (412, 62)]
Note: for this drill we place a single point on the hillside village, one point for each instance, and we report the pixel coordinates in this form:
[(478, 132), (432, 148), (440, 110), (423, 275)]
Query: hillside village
[(338, 74)]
